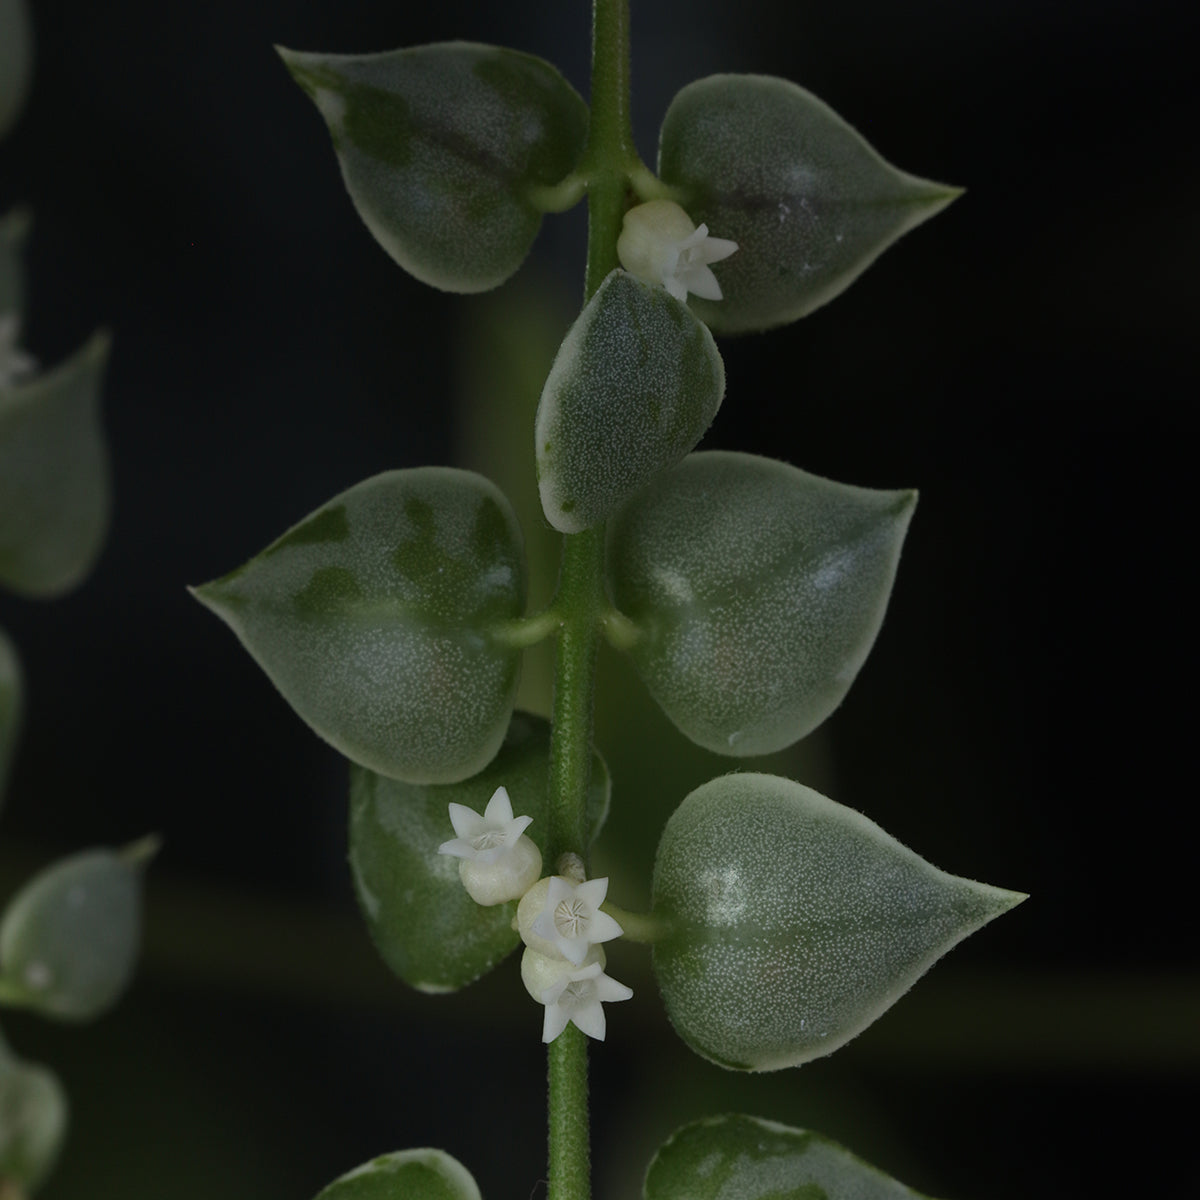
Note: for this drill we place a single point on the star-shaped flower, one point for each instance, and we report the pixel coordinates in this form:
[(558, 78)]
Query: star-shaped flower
[(485, 839), (659, 244), (497, 862), (15, 364), (570, 920), (577, 998)]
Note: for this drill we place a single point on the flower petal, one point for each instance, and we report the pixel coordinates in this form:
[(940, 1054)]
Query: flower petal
[(603, 928), (553, 1022), (499, 808), (466, 821), (590, 1018)]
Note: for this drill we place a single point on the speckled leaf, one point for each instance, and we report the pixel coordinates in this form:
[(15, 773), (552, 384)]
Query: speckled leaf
[(810, 204), (444, 150), (794, 922), (16, 60), (10, 706), (54, 476), (69, 938), (33, 1121), (14, 227), (406, 1175), (757, 591), (737, 1157), (426, 927), (635, 384), (380, 617)]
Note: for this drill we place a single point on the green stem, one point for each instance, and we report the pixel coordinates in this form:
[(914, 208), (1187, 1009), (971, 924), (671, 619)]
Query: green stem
[(610, 158), (608, 162), (580, 600), (569, 1136), (636, 927)]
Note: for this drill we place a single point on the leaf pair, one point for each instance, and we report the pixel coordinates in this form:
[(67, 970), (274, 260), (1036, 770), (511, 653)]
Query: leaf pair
[(449, 153), (721, 1158)]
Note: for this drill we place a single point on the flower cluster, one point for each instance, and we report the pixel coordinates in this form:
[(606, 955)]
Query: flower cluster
[(559, 917)]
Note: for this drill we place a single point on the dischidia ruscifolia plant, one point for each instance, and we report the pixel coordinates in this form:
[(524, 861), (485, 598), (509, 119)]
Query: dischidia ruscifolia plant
[(747, 592)]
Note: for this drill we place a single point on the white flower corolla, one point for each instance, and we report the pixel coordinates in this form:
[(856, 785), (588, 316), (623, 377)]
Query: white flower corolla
[(497, 862), (561, 918), (576, 998), (15, 364), (659, 244)]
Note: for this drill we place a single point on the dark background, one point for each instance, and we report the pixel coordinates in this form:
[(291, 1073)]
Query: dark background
[(1025, 359)]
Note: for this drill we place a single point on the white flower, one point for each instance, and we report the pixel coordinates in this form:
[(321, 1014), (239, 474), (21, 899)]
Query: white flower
[(497, 861), (487, 838), (659, 244), (577, 998), (560, 918), (14, 363)]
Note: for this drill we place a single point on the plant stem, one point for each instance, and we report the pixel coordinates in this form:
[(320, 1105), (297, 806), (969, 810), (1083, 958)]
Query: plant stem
[(570, 1148), (610, 157), (580, 600), (608, 161)]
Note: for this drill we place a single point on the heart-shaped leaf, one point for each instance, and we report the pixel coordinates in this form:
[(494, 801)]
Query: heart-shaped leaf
[(794, 922), (69, 938), (444, 148), (756, 591), (810, 204), (636, 383), (33, 1121), (426, 927), (737, 1157), (406, 1174), (10, 705), (379, 615), (54, 476)]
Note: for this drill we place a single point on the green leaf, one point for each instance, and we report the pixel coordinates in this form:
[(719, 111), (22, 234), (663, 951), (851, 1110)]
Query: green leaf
[(444, 150), (738, 1157), (54, 476), (756, 591), (426, 927), (33, 1121), (809, 202), (406, 1175), (14, 228), (11, 705), (380, 618), (69, 938), (794, 922), (16, 60), (635, 384)]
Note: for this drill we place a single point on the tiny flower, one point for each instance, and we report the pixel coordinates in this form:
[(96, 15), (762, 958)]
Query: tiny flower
[(487, 838), (659, 244), (14, 363), (497, 862), (561, 918), (577, 998)]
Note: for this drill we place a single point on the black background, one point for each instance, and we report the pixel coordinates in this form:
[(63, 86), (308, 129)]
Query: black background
[(1025, 359)]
